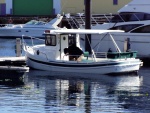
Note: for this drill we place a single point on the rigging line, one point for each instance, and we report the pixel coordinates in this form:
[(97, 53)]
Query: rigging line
[(100, 41), (93, 53), (63, 5)]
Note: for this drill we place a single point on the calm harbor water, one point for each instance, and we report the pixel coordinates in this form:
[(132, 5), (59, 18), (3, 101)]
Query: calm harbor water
[(53, 92)]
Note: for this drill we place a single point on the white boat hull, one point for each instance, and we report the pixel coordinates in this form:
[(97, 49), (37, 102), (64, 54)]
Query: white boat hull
[(32, 28), (54, 58), (11, 33), (97, 68)]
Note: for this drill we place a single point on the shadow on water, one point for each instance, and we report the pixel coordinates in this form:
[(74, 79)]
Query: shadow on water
[(11, 78)]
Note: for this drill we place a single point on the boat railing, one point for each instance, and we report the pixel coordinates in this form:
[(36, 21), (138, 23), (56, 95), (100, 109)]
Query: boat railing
[(8, 25), (84, 56), (111, 55), (101, 54), (97, 54), (30, 43), (73, 56), (76, 21), (11, 25), (42, 53), (116, 55), (32, 39)]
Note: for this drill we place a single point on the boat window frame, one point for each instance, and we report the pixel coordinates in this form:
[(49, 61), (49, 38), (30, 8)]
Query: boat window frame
[(142, 29), (130, 16), (126, 28), (71, 38), (50, 40)]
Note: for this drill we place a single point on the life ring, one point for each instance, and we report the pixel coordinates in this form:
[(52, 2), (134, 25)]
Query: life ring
[(10, 21)]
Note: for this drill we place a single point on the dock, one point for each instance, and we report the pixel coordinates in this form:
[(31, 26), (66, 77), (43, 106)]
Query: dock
[(13, 64)]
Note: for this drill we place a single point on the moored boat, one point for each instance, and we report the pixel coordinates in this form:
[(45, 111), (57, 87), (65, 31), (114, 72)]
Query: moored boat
[(32, 28), (133, 18), (56, 54)]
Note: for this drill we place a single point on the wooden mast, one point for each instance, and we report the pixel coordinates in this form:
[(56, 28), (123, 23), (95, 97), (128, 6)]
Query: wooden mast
[(88, 24)]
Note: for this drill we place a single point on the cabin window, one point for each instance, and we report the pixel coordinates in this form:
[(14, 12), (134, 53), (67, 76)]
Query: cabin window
[(72, 39), (50, 40), (147, 17), (144, 29), (115, 2), (130, 16), (137, 17), (117, 18)]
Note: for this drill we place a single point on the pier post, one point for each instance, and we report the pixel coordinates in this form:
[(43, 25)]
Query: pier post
[(18, 47), (127, 45)]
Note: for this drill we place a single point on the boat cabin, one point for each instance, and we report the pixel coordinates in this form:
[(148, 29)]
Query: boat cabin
[(66, 45), (61, 42)]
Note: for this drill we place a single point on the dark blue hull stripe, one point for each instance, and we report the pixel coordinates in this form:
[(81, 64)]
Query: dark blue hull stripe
[(72, 65)]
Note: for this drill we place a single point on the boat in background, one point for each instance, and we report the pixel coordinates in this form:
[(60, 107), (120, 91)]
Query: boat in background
[(134, 19), (32, 28), (61, 52)]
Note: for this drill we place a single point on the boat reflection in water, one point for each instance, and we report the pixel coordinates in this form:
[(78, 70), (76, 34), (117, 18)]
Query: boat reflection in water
[(86, 93)]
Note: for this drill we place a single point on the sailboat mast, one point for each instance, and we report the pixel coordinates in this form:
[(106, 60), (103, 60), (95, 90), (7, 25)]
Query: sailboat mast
[(88, 24)]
